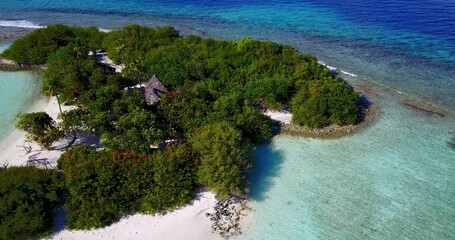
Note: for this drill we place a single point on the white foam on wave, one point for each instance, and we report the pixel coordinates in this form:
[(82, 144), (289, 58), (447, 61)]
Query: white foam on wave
[(349, 74), (334, 69), (331, 68), (20, 24), (104, 30)]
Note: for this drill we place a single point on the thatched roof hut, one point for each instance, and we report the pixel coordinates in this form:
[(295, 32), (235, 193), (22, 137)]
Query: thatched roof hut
[(154, 90)]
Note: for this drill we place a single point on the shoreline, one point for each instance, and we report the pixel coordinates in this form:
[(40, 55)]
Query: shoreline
[(372, 94), (12, 152), (9, 65), (11, 33), (369, 116), (189, 222), (11, 145)]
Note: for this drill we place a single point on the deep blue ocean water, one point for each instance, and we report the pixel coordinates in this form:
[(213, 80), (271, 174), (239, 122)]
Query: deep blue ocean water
[(394, 180)]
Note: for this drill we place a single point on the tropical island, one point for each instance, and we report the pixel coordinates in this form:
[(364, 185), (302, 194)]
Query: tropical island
[(179, 113)]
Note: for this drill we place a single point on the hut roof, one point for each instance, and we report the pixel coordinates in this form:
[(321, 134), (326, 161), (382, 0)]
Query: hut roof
[(154, 90)]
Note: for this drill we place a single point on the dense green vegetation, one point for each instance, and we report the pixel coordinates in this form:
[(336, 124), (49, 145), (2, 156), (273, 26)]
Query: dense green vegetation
[(28, 199), (319, 103), (40, 128), (222, 156), (72, 74), (104, 185), (134, 42), (37, 46), (216, 89)]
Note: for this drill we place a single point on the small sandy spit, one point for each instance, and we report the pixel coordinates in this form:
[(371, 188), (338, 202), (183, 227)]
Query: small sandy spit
[(283, 117)]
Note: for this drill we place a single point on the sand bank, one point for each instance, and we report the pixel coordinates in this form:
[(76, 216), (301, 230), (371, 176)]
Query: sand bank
[(283, 117)]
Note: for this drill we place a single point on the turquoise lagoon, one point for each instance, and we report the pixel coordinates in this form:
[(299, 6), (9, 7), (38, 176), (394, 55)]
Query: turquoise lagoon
[(18, 92)]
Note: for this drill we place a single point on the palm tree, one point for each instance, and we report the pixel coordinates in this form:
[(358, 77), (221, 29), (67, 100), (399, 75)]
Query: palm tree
[(121, 50), (51, 88), (54, 92), (136, 70), (80, 49), (133, 67)]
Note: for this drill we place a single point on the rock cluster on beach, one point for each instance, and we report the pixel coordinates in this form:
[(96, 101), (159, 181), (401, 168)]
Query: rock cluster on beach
[(369, 115), (8, 65), (226, 218)]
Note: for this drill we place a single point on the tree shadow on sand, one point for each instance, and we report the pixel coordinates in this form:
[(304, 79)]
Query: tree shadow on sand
[(81, 139), (88, 139), (267, 168), (59, 221)]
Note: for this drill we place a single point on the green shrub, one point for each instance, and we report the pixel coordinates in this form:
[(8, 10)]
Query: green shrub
[(37, 46), (104, 185), (270, 91), (174, 176), (322, 103), (28, 197), (223, 158), (40, 128)]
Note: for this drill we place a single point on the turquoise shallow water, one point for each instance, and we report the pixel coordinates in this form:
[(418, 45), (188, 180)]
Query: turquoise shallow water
[(18, 92), (395, 180)]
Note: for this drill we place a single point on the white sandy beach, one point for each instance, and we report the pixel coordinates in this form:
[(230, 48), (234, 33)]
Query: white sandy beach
[(189, 222), (11, 148), (283, 117)]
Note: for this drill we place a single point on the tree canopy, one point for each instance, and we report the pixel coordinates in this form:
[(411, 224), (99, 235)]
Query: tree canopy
[(223, 158), (37, 46), (40, 128), (102, 186)]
